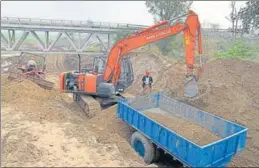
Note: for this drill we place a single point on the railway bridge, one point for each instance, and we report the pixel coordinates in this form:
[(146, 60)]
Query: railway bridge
[(76, 36)]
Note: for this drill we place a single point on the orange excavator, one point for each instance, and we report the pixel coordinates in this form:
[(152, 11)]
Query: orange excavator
[(105, 82)]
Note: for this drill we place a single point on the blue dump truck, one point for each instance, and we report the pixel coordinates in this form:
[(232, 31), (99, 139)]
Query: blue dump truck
[(151, 136)]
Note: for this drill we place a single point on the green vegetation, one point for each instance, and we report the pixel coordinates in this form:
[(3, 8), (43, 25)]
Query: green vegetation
[(176, 50), (238, 50), (120, 35), (171, 47), (213, 47), (167, 10)]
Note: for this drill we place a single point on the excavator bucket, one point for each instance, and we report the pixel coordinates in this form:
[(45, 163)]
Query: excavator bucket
[(191, 87), (41, 82)]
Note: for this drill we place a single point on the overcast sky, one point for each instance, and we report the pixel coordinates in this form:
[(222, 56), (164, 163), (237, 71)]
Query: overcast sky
[(134, 12)]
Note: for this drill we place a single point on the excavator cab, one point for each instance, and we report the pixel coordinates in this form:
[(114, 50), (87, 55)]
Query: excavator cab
[(126, 76)]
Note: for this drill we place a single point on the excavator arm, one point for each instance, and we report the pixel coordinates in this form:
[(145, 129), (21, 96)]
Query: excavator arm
[(191, 29), (90, 90)]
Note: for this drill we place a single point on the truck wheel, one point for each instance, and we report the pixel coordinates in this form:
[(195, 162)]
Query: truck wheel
[(157, 154), (143, 147)]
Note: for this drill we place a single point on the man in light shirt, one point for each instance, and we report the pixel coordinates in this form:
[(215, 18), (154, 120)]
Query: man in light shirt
[(147, 81)]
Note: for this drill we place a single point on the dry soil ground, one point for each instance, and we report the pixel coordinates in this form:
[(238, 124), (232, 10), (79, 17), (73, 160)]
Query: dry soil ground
[(45, 128), (187, 129)]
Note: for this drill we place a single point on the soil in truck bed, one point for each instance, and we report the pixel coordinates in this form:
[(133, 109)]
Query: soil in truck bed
[(187, 129)]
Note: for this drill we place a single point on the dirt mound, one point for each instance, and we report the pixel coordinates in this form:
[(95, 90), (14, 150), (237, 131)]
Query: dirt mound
[(4, 80), (187, 129), (234, 95), (228, 88), (141, 62), (241, 76), (40, 126), (34, 101), (17, 90), (232, 88), (108, 129)]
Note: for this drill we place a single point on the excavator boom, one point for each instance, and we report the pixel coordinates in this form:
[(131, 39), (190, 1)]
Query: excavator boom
[(191, 28), (118, 74)]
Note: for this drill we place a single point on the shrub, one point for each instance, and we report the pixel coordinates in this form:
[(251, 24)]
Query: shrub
[(238, 50)]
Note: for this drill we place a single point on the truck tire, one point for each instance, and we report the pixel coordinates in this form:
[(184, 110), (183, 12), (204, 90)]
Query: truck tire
[(143, 147), (157, 154)]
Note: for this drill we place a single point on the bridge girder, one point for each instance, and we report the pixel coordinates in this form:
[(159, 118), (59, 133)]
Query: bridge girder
[(78, 44)]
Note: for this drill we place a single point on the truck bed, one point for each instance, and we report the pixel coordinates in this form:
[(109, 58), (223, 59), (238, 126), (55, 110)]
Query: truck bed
[(217, 152), (185, 128)]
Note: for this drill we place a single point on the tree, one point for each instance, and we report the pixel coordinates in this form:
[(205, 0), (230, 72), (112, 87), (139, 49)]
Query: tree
[(120, 35), (167, 10), (249, 16), (234, 18)]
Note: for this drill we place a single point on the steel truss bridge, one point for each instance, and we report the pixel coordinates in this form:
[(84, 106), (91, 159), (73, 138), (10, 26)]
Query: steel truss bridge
[(65, 30), (71, 37)]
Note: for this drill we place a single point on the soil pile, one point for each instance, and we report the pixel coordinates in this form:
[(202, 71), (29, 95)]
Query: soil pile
[(232, 93), (14, 91), (35, 101), (189, 130), (228, 88), (167, 76), (108, 129), (42, 126)]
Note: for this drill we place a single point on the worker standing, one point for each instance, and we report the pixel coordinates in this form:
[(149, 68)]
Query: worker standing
[(147, 81)]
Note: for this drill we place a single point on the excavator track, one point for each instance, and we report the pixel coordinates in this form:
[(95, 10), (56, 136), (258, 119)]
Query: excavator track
[(88, 104), (92, 106)]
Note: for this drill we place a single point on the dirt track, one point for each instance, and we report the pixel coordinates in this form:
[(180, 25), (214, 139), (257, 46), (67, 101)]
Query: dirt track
[(38, 135)]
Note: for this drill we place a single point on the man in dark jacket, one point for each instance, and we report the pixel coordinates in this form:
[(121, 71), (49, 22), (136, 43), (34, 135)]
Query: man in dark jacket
[(147, 81)]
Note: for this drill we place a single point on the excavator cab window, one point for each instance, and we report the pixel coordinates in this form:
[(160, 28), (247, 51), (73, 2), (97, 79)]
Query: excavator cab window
[(126, 76)]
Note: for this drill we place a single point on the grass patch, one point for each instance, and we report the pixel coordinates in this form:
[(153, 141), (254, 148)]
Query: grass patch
[(239, 50)]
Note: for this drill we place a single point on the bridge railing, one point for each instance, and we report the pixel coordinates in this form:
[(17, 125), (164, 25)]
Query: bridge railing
[(71, 23)]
